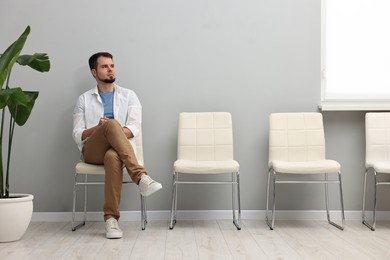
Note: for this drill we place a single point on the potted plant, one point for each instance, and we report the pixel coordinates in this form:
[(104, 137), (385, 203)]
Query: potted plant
[(19, 104)]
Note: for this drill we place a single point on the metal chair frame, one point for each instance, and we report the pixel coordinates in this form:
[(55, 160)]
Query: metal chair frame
[(271, 223), (377, 184), (85, 183), (235, 182)]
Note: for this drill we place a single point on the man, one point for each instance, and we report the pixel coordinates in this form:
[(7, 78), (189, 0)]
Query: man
[(105, 121)]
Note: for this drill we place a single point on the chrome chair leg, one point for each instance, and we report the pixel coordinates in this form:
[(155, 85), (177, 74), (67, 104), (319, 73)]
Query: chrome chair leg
[(341, 227), (272, 223), (364, 196), (236, 195), (274, 202), (375, 200), (74, 203), (144, 220), (85, 198), (176, 190), (327, 197), (174, 202), (82, 223), (364, 221), (342, 201), (239, 199), (267, 200), (145, 215)]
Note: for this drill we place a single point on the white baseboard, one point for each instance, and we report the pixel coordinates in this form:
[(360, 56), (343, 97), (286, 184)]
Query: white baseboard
[(209, 215)]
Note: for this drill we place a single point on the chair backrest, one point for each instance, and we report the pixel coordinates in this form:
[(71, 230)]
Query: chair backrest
[(205, 136), (296, 137), (377, 136), (140, 151)]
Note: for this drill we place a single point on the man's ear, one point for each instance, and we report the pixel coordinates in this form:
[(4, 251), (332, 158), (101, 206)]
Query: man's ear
[(93, 71)]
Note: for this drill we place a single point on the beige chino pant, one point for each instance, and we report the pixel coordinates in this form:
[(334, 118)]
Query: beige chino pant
[(108, 145)]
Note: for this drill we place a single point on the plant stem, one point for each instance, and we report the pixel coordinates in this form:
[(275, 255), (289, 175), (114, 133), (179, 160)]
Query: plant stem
[(2, 187), (1, 155), (10, 138)]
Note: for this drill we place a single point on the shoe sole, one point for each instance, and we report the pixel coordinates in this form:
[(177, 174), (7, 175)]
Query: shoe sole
[(152, 190), (114, 236)]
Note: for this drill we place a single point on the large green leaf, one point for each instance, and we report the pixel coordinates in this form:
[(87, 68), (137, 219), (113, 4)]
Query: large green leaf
[(21, 104), (8, 58), (37, 61), (6, 94)]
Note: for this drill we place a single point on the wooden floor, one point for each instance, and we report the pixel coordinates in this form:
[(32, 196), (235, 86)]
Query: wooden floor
[(203, 240)]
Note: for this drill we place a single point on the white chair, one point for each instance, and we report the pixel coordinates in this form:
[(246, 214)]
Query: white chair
[(85, 169), (205, 146), (297, 148), (377, 156)]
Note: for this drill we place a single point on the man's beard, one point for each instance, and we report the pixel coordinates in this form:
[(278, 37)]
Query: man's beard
[(109, 81)]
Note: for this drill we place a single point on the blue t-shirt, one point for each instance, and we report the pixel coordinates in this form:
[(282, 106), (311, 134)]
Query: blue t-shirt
[(108, 103)]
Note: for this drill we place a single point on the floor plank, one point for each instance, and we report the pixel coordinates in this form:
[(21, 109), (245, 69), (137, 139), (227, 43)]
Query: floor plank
[(150, 243), (240, 242), (271, 242), (210, 241), (195, 239), (181, 242)]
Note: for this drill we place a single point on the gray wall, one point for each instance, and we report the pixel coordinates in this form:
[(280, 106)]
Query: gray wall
[(248, 57)]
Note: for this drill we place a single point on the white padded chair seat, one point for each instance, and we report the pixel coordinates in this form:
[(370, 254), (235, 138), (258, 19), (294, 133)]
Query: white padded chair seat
[(382, 167), (206, 167), (86, 168), (311, 167)]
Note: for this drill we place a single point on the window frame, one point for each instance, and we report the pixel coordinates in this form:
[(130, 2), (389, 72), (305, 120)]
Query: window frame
[(335, 104)]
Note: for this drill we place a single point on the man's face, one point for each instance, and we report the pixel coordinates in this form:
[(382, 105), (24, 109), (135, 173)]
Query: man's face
[(105, 71)]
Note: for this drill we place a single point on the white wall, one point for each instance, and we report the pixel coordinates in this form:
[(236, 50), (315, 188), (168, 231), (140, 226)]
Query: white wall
[(248, 57)]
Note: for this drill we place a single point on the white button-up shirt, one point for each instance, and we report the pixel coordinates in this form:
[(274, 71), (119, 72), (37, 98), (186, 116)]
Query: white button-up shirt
[(89, 109)]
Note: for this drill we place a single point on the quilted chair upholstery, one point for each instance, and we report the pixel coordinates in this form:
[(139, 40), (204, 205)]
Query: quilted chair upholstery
[(205, 146), (377, 156), (297, 147), (83, 169)]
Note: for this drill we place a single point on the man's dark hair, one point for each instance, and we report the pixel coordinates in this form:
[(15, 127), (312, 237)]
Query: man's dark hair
[(93, 59)]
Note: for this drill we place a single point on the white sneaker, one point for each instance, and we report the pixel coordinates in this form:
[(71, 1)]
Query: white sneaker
[(147, 186), (112, 229)]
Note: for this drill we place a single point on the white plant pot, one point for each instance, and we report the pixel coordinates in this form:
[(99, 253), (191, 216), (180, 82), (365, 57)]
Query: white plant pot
[(15, 216)]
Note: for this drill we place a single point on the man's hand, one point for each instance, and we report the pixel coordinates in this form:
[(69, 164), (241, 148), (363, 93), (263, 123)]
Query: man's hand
[(128, 133), (102, 120), (88, 132)]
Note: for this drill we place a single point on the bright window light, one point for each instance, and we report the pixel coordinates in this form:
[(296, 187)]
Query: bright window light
[(356, 50)]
